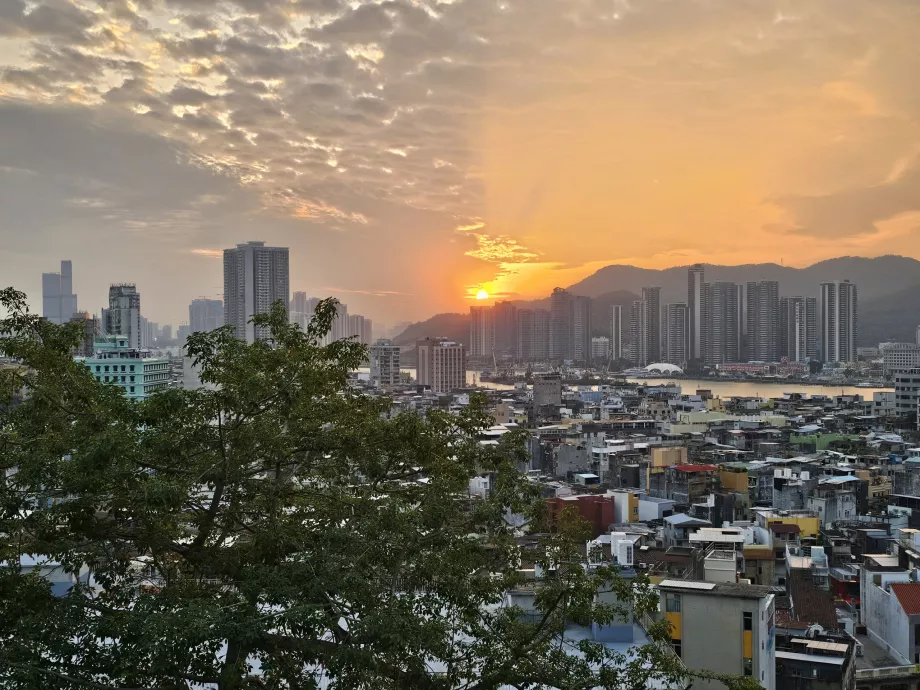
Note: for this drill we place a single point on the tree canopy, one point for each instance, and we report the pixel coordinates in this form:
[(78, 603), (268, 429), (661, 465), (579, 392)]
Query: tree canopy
[(276, 528)]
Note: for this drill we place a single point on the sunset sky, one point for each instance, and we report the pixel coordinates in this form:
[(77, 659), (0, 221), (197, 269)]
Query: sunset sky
[(411, 153)]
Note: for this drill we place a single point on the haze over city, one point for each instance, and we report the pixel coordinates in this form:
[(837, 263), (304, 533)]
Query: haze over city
[(411, 154)]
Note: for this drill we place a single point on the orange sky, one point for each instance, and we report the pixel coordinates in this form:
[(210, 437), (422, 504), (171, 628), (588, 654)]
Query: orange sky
[(415, 152)]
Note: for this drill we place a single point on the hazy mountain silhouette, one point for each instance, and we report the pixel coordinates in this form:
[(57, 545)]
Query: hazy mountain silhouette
[(892, 317), (451, 326), (875, 278)]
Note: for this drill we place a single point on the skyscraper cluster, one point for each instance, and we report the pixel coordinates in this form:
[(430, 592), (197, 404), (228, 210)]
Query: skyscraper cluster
[(344, 325)]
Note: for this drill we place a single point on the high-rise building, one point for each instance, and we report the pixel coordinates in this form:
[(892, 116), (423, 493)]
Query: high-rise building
[(166, 331), (532, 333), (298, 311), (651, 305), (90, 332), (205, 315), (696, 310), (721, 341), (600, 348), (762, 318), (616, 332), (482, 331), (123, 317), (636, 348), (674, 338), (798, 323), (838, 321), (384, 357), (504, 316), (441, 364), (255, 277), (561, 317), (581, 329), (59, 303)]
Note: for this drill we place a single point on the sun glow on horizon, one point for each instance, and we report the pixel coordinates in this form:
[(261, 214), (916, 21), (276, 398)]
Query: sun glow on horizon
[(482, 294)]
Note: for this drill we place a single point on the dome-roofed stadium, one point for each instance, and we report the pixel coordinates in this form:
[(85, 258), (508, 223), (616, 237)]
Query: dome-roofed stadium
[(663, 368)]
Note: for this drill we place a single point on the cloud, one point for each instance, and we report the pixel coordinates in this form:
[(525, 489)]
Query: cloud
[(371, 293), (209, 253)]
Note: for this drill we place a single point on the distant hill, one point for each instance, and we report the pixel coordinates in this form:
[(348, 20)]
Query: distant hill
[(451, 326), (875, 278), (892, 317)]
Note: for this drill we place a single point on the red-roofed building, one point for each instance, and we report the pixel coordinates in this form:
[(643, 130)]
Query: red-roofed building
[(891, 611), (597, 510), (908, 594)]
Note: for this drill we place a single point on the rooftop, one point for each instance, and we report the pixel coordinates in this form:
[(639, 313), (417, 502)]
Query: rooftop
[(908, 594), (725, 589)]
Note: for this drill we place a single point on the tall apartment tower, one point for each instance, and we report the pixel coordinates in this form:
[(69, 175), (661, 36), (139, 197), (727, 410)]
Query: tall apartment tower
[(560, 336), (255, 277), (721, 336), (762, 318), (581, 329), (651, 306), (482, 331), (532, 335), (696, 309), (637, 354), (59, 304), (205, 315), (441, 364), (839, 317), (504, 318), (798, 323), (674, 338), (616, 332), (123, 317), (384, 356)]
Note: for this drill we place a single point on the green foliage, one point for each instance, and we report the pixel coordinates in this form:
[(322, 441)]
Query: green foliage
[(275, 527)]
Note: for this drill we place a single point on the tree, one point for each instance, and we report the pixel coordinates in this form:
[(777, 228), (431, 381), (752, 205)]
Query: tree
[(278, 529)]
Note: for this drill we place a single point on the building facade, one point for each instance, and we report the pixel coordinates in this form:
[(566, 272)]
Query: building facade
[(721, 334), (136, 371), (532, 334), (798, 325), (205, 315), (898, 356), (441, 364), (561, 316), (384, 356), (123, 317), (616, 332), (59, 303), (839, 315), (482, 331), (696, 310), (722, 627), (651, 324), (581, 329), (674, 334), (255, 277), (762, 319)]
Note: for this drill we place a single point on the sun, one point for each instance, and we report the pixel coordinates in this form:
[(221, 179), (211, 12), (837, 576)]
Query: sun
[(482, 294)]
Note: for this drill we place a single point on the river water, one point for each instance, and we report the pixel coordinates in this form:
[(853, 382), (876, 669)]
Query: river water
[(723, 389)]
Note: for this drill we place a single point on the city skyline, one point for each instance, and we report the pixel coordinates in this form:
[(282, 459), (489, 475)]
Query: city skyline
[(412, 140)]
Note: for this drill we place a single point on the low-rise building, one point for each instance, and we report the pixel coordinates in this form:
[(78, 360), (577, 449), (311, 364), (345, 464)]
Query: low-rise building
[(136, 371)]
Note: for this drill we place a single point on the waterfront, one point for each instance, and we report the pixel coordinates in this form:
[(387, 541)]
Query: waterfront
[(724, 389)]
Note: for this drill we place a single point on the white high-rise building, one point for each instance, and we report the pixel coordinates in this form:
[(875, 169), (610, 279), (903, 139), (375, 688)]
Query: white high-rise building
[(838, 321), (59, 303), (384, 357), (482, 331), (441, 364), (123, 317), (255, 277)]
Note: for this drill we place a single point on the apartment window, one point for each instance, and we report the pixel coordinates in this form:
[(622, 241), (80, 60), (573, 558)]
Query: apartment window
[(106, 379), (748, 667), (132, 379), (106, 367), (672, 603), (98, 368), (122, 379), (132, 367), (132, 389), (748, 620)]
